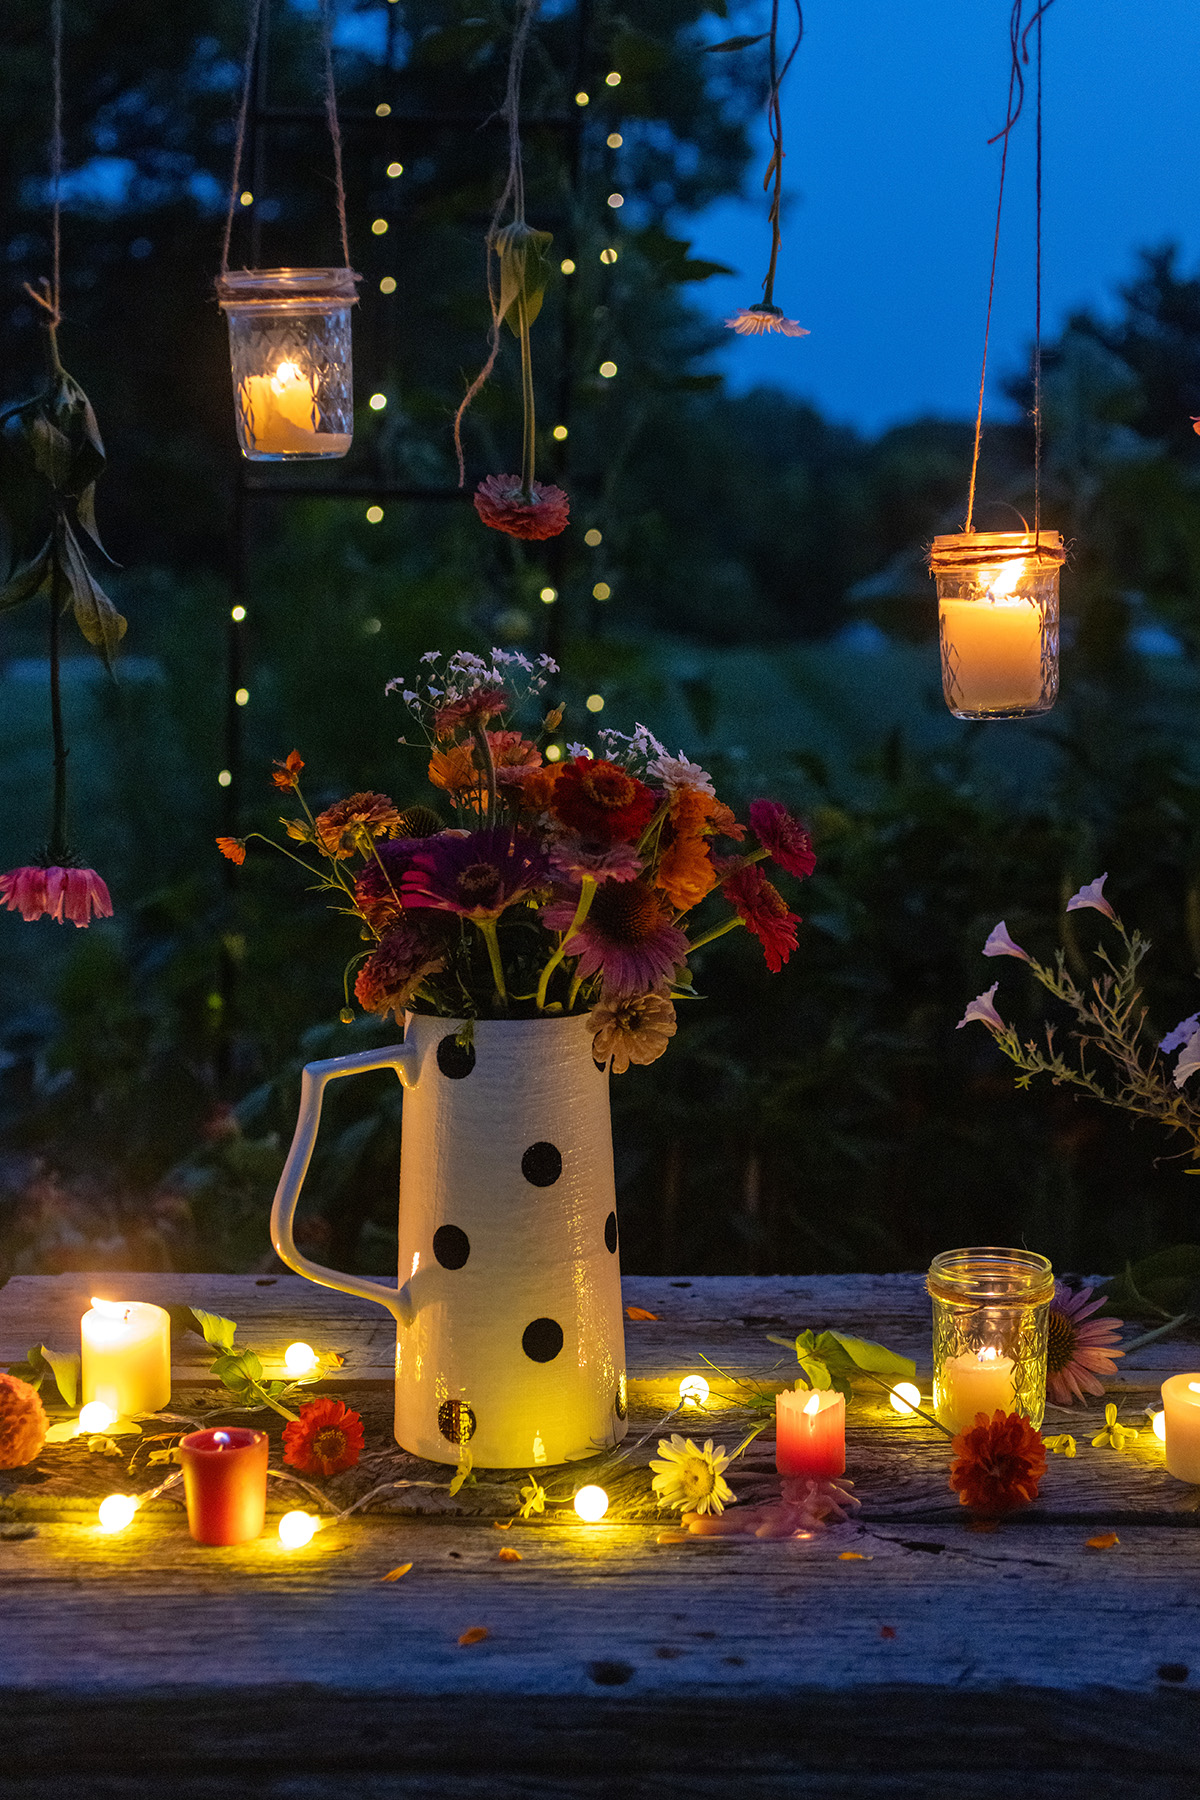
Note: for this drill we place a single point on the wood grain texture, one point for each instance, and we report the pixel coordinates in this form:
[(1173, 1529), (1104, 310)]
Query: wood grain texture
[(941, 1660)]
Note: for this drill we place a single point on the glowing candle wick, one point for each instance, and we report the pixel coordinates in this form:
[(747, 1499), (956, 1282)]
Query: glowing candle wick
[(814, 1405)]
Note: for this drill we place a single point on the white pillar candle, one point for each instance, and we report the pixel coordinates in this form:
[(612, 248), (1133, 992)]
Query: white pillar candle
[(126, 1356), (996, 645), (1181, 1413), (978, 1381)]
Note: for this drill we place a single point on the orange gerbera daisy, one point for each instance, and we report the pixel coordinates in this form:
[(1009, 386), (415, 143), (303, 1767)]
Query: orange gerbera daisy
[(325, 1438), (998, 1463), (343, 827)]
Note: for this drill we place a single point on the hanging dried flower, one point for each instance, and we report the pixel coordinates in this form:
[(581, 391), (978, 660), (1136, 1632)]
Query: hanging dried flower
[(77, 895), (759, 320), (537, 511)]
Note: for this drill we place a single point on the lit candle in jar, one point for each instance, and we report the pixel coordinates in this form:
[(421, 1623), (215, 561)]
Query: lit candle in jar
[(810, 1433), (126, 1356), (225, 1481), (978, 1381), (995, 645), (1181, 1415), (281, 415)]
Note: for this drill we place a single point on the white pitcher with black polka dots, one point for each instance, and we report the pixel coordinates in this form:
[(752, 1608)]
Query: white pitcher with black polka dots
[(509, 1336)]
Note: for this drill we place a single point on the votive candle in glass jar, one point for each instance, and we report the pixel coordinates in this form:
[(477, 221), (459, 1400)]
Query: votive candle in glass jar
[(289, 346), (998, 621), (225, 1483), (991, 1317)]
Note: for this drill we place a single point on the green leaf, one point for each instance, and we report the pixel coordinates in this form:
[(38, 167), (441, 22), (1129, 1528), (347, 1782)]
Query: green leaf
[(738, 43), (1158, 1286), (27, 579), (72, 415), (65, 1369), (32, 1371), (829, 1361), (524, 268), (866, 1354), (95, 614), (51, 450), (85, 513), (218, 1332)]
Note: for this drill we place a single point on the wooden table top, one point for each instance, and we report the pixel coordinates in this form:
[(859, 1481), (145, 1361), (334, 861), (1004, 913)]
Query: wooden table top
[(937, 1658)]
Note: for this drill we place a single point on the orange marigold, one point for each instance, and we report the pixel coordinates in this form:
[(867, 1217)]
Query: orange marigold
[(23, 1423), (341, 828), (454, 769), (287, 774), (325, 1438), (233, 848), (998, 1463)]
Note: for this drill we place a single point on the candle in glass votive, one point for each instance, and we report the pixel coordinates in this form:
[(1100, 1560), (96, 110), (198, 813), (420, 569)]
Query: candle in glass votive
[(997, 643), (126, 1356), (1181, 1415), (282, 417), (810, 1433), (978, 1381), (225, 1481)]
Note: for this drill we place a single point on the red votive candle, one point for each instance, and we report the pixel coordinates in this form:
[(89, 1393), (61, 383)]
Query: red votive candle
[(225, 1480), (810, 1433)]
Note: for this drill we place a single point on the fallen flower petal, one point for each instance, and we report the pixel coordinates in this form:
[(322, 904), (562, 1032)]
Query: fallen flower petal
[(639, 1312), (673, 1537), (475, 1635), (1104, 1540), (1062, 1445), (853, 1556), (1111, 1433), (397, 1573), (507, 1554), (887, 1631)]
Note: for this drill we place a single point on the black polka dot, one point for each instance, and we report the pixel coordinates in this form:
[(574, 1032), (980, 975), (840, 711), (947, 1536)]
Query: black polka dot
[(541, 1165), (619, 1406), (543, 1340), (456, 1421), (610, 1232), (451, 1246), (454, 1059)]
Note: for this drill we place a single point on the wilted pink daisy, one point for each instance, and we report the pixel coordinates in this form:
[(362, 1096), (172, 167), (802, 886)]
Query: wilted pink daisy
[(501, 503), (627, 937), (1081, 1348), (55, 893), (753, 321), (477, 875)]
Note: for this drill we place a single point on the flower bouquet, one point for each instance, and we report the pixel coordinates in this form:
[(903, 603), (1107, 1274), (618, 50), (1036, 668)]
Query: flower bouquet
[(564, 882)]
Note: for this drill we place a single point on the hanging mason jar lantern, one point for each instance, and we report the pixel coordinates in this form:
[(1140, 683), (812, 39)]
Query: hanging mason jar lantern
[(289, 345), (998, 621)]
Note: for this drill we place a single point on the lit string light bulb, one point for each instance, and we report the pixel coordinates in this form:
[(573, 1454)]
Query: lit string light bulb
[(693, 1390), (300, 1359), (1158, 1426), (117, 1511), (591, 1503), (296, 1529), (905, 1398), (96, 1416)]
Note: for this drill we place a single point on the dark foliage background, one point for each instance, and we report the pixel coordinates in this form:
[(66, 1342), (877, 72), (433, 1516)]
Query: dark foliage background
[(769, 611)]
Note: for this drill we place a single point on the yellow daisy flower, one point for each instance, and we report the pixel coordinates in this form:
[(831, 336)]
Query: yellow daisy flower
[(689, 1478)]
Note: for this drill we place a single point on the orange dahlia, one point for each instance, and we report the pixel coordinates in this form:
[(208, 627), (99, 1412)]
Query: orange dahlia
[(23, 1423), (325, 1438), (998, 1463)]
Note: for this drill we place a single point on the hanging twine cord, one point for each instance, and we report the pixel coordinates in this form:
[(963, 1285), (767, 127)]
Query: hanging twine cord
[(512, 192), (1037, 329), (1018, 32), (331, 116), (775, 124), (48, 293)]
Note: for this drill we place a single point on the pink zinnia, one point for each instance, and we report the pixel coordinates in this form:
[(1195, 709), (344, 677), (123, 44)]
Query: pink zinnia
[(1081, 1348), (627, 938), (475, 708), (476, 875), (764, 911), (572, 857), (500, 503), (55, 893), (784, 838)]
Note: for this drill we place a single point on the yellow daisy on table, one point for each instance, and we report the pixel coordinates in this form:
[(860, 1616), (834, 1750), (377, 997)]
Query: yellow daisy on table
[(689, 1478)]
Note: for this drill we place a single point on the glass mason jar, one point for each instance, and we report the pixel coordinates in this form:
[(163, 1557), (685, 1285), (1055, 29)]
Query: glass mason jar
[(289, 345), (991, 1317), (998, 621)]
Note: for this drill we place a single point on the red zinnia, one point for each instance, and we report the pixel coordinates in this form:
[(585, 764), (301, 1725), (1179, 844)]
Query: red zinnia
[(55, 893), (500, 503), (786, 840), (764, 911), (998, 1463), (325, 1438), (599, 800)]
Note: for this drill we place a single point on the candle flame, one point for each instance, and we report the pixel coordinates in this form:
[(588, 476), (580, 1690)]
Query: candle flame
[(221, 1440), (110, 1309), (1158, 1425), (1003, 584), (1194, 1387), (286, 375), (989, 1353), (814, 1404)]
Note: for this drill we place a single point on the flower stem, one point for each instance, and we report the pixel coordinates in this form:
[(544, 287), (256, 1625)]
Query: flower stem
[(716, 932), (529, 419), (56, 850), (479, 733), (587, 894), (487, 928)]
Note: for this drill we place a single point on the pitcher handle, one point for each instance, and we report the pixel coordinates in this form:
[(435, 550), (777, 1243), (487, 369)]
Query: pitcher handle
[(402, 1058)]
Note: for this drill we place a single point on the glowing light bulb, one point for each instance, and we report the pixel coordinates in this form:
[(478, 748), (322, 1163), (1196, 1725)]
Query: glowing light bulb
[(582, 99), (591, 1503), (553, 752), (608, 255), (608, 370), (374, 515), (377, 402), (615, 200), (237, 614), (382, 110), (246, 198), (549, 595), (905, 1397), (225, 778), (614, 140), (567, 265), (612, 79), (379, 226), (1158, 1424), (602, 591), (117, 1511), (388, 285), (693, 1390), (559, 433), (296, 1529), (395, 169), (813, 1403), (595, 702), (242, 697), (593, 537), (298, 1359), (96, 1416)]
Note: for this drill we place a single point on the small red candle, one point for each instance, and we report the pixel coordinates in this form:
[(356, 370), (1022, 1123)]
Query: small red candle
[(810, 1433), (225, 1480)]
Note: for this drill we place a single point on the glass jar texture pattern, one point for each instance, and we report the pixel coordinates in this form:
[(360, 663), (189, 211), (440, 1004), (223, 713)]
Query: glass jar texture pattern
[(991, 1317), (290, 353), (998, 621)]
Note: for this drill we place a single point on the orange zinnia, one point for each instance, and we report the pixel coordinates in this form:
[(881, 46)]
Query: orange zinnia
[(343, 827), (998, 1463), (685, 872), (325, 1438)]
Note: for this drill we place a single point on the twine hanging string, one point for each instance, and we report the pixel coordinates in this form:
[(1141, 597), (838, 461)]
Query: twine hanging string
[(48, 294), (1018, 32), (1037, 329), (775, 124), (331, 116), (513, 191)]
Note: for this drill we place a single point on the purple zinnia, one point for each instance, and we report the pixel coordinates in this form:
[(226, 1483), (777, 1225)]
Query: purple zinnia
[(1080, 1348), (476, 876)]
